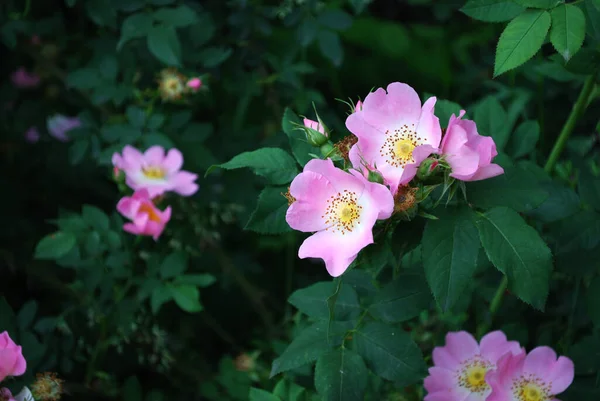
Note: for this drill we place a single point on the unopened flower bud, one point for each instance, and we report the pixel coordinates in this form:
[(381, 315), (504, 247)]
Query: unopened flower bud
[(429, 167), (194, 84), (316, 134), (375, 176), (328, 150)]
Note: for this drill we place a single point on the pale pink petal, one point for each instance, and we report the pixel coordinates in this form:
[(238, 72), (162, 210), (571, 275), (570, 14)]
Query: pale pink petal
[(420, 153), (173, 161), (429, 128), (339, 179), (455, 138), (132, 159), (311, 191), (154, 155), (500, 380), (484, 145), (561, 376), (464, 163), (401, 106), (439, 379), (183, 183), (326, 245), (462, 345), (383, 200), (141, 194), (444, 359), (127, 207), (131, 228), (494, 345), (489, 171), (540, 362)]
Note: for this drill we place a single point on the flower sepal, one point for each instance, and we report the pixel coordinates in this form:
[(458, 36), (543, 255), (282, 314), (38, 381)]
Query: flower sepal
[(431, 171)]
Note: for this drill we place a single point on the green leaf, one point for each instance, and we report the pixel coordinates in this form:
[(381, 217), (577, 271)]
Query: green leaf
[(136, 116), (596, 3), (312, 301), (586, 61), (310, 344), (187, 297), (593, 301), (213, 56), (491, 118), (101, 12), (450, 248), (492, 10), (402, 299), (164, 44), (179, 16), (307, 31), (269, 215), (109, 68), (132, 390), (518, 251), (298, 142), (517, 188), (135, 26), (84, 78), (199, 280), (275, 164), (257, 394), (95, 217), (121, 133), (390, 353), (524, 139), (547, 4), (27, 314), (335, 19), (160, 295), (568, 30), (78, 150), (331, 46), (562, 202), (55, 246), (521, 39), (174, 265), (156, 138), (589, 189), (341, 375)]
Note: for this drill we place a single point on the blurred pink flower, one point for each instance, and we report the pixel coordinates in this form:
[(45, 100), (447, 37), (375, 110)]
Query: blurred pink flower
[(194, 84), (468, 153), (58, 126), (460, 367), (314, 125), (23, 79), (395, 133), (154, 171), (340, 207), (537, 376), (32, 135), (146, 218), (6, 395), (12, 362)]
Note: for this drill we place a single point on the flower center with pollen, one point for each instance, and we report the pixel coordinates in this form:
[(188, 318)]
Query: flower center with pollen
[(399, 145), (531, 388), (343, 212), (155, 173), (149, 210), (472, 375)]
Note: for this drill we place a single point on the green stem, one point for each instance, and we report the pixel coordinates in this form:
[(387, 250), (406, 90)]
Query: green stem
[(565, 133), (497, 300)]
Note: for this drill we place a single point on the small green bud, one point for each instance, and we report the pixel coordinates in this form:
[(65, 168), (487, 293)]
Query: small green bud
[(328, 150), (314, 137), (375, 176)]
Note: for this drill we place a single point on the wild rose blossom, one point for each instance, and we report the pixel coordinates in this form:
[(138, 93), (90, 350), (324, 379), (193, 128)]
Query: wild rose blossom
[(395, 133), (146, 218), (460, 367), (12, 362), (21, 78), (537, 376), (468, 153), (194, 84), (58, 126), (341, 208), (155, 171)]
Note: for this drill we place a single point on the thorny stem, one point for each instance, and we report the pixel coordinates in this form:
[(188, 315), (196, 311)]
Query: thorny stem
[(559, 145), (565, 133)]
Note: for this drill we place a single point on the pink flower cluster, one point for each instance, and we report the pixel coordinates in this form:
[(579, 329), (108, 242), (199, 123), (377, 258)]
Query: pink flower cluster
[(395, 133), (495, 370), (151, 174)]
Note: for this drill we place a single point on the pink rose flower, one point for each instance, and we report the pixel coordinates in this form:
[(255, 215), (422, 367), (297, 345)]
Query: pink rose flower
[(23, 79), (341, 208), (468, 153), (146, 218), (194, 84), (538, 375), (154, 171), (6, 395), (12, 362), (58, 126), (395, 134), (314, 125), (32, 135), (460, 367)]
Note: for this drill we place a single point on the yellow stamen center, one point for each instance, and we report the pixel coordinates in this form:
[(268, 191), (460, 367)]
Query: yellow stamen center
[(155, 173), (472, 375), (531, 388), (150, 211), (343, 212), (399, 145)]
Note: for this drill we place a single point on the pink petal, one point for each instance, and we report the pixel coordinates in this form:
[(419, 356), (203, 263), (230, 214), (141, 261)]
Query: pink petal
[(429, 128), (132, 159), (489, 171), (444, 359), (154, 155), (311, 191), (439, 379), (401, 106), (494, 345), (540, 362), (132, 228), (8, 359), (339, 179), (173, 161), (484, 145), (461, 345), (420, 153), (20, 365), (5, 340), (464, 164), (183, 183), (562, 375), (383, 200), (455, 138)]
